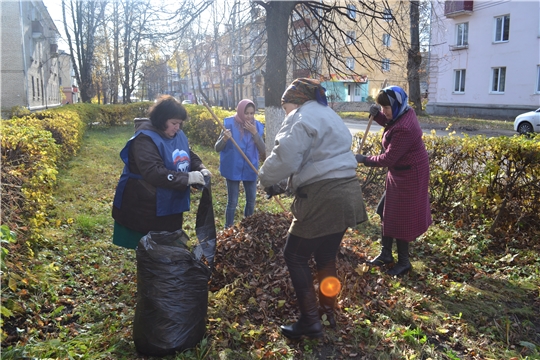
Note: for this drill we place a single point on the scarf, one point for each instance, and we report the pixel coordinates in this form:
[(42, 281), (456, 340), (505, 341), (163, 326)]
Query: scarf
[(240, 117), (304, 89), (398, 100)]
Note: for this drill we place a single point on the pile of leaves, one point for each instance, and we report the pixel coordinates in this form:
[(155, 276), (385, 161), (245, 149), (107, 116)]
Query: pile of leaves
[(250, 267)]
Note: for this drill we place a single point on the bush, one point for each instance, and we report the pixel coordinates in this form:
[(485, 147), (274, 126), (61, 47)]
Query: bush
[(29, 168)]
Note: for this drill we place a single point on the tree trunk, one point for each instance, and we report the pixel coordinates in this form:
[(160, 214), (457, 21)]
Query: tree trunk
[(414, 59), (275, 78)]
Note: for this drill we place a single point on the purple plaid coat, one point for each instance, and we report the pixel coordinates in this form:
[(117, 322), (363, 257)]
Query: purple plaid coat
[(407, 213)]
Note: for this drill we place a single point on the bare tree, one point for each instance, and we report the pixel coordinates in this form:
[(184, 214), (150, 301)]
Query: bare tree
[(85, 17), (136, 28)]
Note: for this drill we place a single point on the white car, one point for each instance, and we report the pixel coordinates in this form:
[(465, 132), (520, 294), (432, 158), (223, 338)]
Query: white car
[(186, 102), (528, 122)]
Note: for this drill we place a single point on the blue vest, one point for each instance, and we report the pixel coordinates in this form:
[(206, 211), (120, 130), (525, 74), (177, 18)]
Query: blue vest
[(232, 165), (175, 155)]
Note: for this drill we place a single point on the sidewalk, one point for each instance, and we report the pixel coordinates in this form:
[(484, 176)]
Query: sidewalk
[(440, 129)]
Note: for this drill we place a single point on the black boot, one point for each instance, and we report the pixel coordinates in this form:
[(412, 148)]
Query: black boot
[(326, 307), (403, 265), (309, 324), (385, 257)]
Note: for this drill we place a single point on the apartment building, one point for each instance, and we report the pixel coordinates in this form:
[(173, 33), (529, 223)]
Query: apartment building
[(356, 80), (33, 74), (484, 58), (231, 67)]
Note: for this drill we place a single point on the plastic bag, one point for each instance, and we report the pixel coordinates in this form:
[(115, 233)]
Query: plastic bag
[(172, 286)]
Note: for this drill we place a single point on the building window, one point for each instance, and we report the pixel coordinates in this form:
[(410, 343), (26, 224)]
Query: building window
[(502, 28), (499, 78), (350, 63), (385, 65), (459, 83), (462, 31), (351, 11), (538, 79), (351, 37), (386, 40), (387, 15), (33, 89), (358, 90)]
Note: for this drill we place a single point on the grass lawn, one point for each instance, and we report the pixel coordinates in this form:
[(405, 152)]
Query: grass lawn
[(467, 298)]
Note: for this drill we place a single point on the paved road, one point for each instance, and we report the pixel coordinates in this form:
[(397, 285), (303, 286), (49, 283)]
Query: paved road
[(356, 126)]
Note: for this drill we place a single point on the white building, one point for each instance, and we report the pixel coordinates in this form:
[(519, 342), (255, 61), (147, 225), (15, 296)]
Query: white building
[(30, 65), (484, 58)]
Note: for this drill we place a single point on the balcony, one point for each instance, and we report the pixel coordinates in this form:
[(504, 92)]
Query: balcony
[(37, 29), (301, 73), (302, 47), (457, 8)]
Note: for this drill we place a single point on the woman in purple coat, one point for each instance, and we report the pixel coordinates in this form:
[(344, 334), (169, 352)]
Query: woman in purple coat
[(404, 208)]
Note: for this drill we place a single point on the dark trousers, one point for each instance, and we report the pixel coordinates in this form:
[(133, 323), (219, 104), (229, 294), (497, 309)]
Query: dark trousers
[(297, 253)]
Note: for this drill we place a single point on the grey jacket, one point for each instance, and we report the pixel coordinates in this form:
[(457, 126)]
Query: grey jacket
[(313, 144)]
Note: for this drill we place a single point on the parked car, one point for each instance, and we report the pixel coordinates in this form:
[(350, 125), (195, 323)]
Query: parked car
[(528, 122), (186, 102)]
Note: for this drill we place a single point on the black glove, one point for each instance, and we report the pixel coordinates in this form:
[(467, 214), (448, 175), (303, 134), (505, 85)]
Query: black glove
[(274, 190), (374, 110), (360, 158)]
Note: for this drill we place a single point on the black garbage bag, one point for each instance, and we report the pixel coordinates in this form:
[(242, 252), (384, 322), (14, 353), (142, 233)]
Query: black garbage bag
[(172, 289), (205, 225)]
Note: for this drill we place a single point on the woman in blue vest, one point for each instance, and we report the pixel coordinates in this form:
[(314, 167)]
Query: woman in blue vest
[(154, 188), (247, 133)]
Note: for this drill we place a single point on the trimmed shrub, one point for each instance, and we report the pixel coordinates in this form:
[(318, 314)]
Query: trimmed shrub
[(29, 168)]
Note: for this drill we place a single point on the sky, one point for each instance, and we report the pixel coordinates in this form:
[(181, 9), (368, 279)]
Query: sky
[(54, 7)]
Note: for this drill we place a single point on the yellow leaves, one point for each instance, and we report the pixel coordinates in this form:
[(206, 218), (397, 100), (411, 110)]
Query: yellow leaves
[(361, 269), (12, 284)]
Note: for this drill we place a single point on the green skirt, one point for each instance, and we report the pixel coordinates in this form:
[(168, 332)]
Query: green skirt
[(125, 237)]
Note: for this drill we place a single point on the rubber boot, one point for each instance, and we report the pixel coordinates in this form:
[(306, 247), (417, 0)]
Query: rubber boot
[(403, 265), (309, 324), (326, 307), (385, 256)]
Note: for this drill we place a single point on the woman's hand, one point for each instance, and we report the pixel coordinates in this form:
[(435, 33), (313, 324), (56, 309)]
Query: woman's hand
[(206, 172), (227, 135), (250, 126), (360, 158)]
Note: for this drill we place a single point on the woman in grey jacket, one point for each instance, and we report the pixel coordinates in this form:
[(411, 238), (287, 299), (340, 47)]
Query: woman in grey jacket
[(313, 153)]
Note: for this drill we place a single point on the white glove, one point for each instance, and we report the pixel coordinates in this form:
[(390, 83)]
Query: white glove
[(206, 172), (195, 177)]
